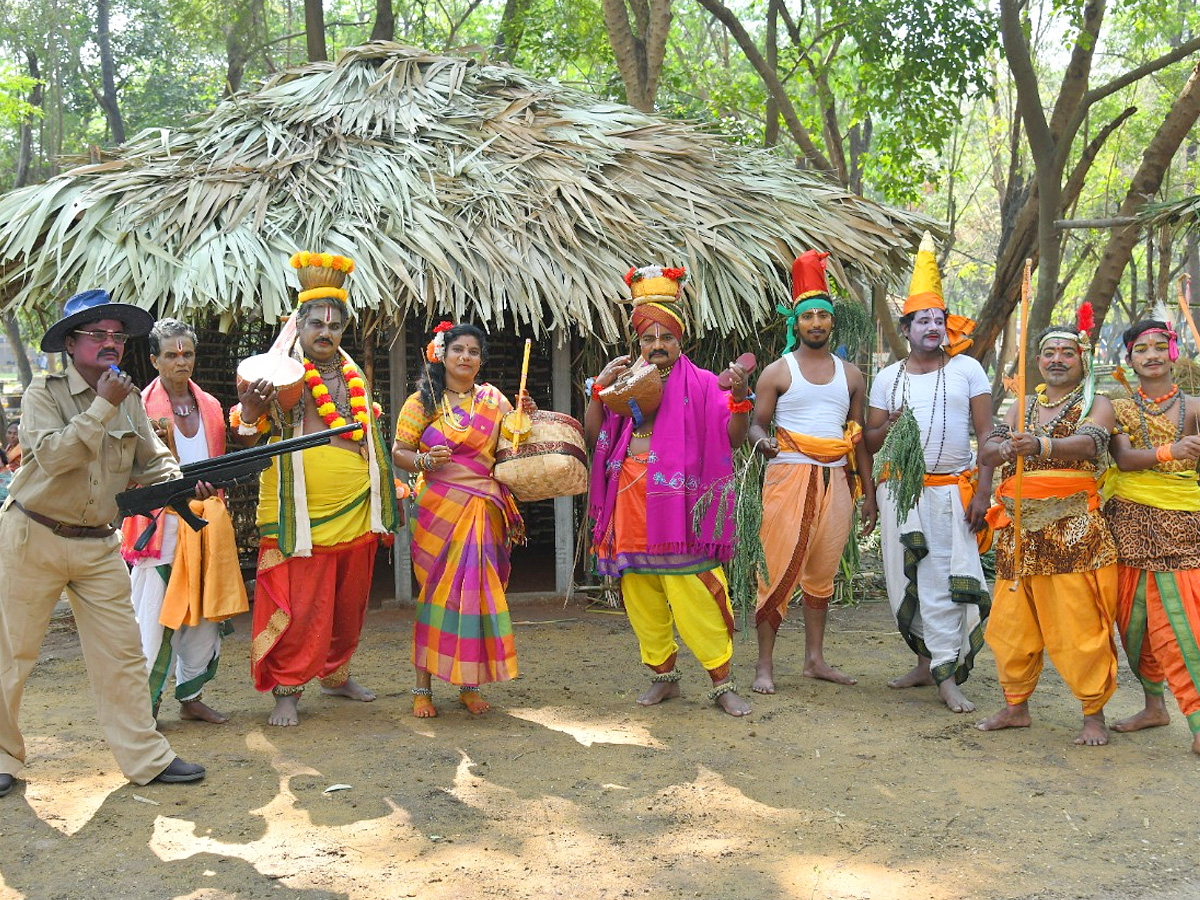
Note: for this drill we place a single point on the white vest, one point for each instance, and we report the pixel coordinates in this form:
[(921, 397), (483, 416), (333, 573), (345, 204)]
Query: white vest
[(818, 410)]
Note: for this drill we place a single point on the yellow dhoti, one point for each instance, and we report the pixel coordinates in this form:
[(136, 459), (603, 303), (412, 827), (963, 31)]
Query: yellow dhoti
[(698, 605)]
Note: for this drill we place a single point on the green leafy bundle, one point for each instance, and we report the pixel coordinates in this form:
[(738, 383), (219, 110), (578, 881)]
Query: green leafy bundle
[(743, 489), (853, 327), (903, 456)]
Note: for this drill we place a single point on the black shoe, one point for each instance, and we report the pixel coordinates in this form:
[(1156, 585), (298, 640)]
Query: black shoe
[(7, 783), (179, 772)]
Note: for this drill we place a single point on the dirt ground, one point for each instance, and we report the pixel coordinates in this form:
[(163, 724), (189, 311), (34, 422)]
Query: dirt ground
[(569, 789)]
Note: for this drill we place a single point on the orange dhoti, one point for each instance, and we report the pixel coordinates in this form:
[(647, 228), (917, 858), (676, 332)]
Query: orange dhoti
[(1068, 615), (807, 516), (1158, 614)]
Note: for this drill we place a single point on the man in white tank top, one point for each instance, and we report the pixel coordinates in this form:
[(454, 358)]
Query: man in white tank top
[(817, 402), (940, 612)]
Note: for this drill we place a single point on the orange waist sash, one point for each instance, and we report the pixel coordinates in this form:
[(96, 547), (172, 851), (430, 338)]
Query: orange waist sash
[(1044, 485)]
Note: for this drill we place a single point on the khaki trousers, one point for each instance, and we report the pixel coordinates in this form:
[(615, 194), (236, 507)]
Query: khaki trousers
[(35, 566)]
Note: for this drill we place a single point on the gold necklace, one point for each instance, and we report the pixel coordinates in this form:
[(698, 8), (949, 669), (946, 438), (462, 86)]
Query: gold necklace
[(642, 434), (664, 374), (1050, 404), (452, 421), (462, 395)]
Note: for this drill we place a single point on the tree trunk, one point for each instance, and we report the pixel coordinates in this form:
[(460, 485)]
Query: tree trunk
[(384, 28), (887, 323), (108, 74), (25, 135), (639, 51), (314, 30), (511, 30), (1145, 183)]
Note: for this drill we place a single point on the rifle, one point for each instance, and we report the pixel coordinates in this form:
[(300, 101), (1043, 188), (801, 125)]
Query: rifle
[(220, 471)]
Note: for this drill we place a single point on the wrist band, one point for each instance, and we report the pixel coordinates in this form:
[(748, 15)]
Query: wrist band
[(1044, 446), (1163, 453), (596, 388), (261, 426), (740, 407)]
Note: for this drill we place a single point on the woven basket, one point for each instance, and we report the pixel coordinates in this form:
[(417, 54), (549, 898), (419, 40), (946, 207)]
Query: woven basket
[(550, 460), (640, 385)]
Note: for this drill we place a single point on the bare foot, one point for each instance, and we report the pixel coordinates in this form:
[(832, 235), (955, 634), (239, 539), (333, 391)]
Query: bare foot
[(351, 689), (474, 702), (733, 704), (1152, 716), (1147, 718), (286, 712), (954, 698), (918, 676), (823, 671), (1094, 732), (196, 711), (1196, 743), (658, 692), (423, 707), (764, 679), (1012, 716)]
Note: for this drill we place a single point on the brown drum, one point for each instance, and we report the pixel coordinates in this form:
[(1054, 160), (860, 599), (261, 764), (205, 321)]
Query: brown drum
[(282, 371), (639, 388), (550, 461)]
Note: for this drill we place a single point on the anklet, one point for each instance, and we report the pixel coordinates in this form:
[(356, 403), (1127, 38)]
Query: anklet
[(423, 692), (725, 687), (287, 690), (665, 677), (472, 688)]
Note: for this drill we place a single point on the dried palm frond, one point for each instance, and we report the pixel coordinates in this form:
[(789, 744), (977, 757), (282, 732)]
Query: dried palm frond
[(459, 189)]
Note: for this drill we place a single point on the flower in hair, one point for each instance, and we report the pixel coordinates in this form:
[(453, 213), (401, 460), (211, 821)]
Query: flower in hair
[(435, 350)]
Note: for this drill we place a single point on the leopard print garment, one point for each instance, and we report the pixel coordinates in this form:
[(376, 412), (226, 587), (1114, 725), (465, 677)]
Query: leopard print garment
[(1074, 543), (1158, 540)]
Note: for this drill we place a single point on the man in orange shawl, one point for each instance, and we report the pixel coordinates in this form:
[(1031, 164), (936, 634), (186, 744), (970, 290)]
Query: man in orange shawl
[(817, 466), (1056, 591), (186, 584)]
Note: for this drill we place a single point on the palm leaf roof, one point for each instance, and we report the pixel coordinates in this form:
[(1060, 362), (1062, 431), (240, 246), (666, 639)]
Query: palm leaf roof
[(460, 189)]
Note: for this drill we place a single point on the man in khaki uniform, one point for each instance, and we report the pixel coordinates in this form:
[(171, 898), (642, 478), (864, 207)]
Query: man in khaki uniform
[(86, 437)]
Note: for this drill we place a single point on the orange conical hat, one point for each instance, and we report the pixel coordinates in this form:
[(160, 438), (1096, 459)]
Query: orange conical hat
[(925, 290)]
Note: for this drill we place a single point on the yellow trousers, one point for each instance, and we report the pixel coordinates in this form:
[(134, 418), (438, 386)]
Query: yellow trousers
[(698, 605), (1069, 616)]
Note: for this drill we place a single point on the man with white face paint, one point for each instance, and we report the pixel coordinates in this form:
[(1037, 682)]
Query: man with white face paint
[(931, 563)]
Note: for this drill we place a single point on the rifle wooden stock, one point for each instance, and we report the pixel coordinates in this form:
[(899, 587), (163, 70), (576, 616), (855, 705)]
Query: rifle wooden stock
[(220, 471)]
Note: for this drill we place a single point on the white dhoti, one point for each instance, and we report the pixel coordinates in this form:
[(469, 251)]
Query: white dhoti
[(935, 582), (193, 648)]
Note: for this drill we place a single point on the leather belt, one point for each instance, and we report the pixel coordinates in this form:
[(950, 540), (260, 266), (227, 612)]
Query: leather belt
[(62, 529)]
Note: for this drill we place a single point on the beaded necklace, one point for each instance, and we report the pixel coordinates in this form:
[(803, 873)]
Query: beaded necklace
[(1147, 407), (1068, 403), (939, 383)]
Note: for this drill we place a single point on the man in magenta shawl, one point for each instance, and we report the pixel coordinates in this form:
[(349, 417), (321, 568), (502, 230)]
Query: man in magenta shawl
[(647, 476)]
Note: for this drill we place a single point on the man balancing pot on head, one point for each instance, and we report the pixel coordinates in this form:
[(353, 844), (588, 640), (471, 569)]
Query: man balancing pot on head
[(645, 480), (321, 512), (1153, 510), (1060, 596), (85, 437), (939, 611), (817, 402)]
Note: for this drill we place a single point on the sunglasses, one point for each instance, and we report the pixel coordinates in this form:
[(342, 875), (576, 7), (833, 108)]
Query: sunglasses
[(117, 337)]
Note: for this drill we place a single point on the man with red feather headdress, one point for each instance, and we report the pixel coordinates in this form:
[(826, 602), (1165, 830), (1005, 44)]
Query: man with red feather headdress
[(1056, 591)]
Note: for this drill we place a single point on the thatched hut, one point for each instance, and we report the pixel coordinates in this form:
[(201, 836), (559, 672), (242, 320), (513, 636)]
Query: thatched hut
[(462, 190)]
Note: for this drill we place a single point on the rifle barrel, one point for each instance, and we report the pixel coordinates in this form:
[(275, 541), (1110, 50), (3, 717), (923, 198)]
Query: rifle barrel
[(265, 451)]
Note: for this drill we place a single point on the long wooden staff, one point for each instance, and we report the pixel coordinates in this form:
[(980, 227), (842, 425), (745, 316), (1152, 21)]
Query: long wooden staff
[(1020, 473), (521, 417), (1185, 304)]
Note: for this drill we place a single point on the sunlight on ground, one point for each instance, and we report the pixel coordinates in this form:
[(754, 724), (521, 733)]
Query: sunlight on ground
[(66, 811), (822, 878), (588, 733)]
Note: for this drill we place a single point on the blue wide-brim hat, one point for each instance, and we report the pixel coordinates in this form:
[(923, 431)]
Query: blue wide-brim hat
[(92, 306)]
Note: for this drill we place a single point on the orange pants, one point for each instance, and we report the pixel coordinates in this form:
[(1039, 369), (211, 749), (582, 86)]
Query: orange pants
[(1070, 616), (1158, 615)]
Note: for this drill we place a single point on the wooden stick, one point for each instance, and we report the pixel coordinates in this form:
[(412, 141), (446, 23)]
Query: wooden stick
[(1020, 473), (516, 441)]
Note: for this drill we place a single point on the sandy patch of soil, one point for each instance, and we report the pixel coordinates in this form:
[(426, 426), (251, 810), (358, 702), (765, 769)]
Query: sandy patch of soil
[(569, 789)]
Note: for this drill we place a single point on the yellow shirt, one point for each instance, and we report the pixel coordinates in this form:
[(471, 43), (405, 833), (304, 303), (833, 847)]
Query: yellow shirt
[(80, 451)]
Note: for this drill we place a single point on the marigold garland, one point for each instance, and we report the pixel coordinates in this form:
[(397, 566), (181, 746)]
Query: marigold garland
[(328, 410), (322, 260)]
